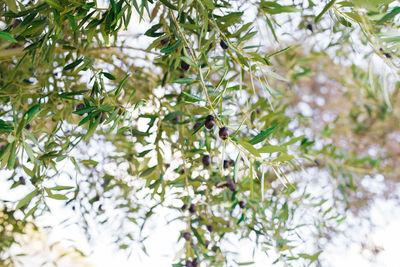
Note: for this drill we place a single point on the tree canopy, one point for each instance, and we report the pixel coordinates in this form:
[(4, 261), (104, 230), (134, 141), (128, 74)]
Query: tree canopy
[(239, 116)]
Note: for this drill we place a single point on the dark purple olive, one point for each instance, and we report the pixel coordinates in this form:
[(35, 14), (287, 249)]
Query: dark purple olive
[(210, 228), (274, 192), (164, 41), (188, 263), (223, 133), (186, 236), (258, 110), (206, 160), (195, 262), (16, 23), (242, 204), (192, 208), (21, 180), (184, 207), (28, 126), (226, 164), (223, 44), (211, 45), (182, 171), (79, 107), (184, 66), (232, 186), (387, 55), (102, 118), (309, 27), (209, 122), (214, 249)]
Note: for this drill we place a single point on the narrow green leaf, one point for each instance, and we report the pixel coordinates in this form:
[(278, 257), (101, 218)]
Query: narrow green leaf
[(184, 80), (58, 197), (147, 172), (284, 157), (61, 187), (26, 199), (194, 96), (12, 156), (326, 8), (12, 5), (389, 15), (121, 84), (262, 136), (73, 64), (6, 36), (172, 115), (172, 47), (92, 128), (108, 76), (168, 4), (249, 147), (32, 112), (271, 149)]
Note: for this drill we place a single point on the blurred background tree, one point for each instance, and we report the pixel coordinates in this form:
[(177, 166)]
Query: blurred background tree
[(217, 110)]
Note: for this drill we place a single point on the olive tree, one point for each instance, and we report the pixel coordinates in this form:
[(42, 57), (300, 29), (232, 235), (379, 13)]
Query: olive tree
[(218, 110)]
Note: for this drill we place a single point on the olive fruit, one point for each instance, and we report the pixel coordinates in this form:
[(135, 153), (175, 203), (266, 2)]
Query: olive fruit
[(186, 236), (192, 208), (242, 204), (226, 164), (223, 45), (164, 41), (231, 185), (206, 160), (79, 107), (387, 55), (16, 23), (184, 207), (21, 180), (210, 228), (209, 122), (184, 66), (28, 126), (195, 262), (188, 263), (210, 46), (102, 118), (223, 133)]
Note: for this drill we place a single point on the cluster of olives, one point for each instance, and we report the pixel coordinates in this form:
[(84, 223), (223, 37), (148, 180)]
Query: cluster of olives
[(209, 123), (192, 263)]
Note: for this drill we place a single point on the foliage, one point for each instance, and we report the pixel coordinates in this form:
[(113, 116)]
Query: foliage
[(130, 120)]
